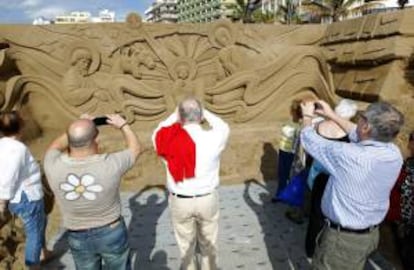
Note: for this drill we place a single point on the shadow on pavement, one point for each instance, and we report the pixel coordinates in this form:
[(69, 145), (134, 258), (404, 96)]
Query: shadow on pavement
[(145, 212)]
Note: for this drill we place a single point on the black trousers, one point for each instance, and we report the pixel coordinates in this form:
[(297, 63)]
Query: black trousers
[(316, 218), (405, 244)]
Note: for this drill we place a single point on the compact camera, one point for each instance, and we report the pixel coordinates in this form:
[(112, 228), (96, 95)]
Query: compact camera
[(99, 121)]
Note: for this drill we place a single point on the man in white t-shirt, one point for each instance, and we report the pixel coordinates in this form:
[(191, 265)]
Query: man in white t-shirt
[(86, 187), (192, 158)]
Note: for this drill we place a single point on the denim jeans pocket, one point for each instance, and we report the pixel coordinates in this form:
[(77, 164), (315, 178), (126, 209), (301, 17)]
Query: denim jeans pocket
[(115, 238), (75, 243)]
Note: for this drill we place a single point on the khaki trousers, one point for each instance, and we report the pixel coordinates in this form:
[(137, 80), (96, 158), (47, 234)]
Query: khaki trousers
[(195, 222), (336, 250)]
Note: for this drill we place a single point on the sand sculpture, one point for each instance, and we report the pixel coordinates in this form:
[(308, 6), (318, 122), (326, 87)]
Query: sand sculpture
[(142, 70), (372, 59), (245, 73)]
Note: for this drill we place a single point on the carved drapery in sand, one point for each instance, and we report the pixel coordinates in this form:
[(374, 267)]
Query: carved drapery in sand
[(142, 71)]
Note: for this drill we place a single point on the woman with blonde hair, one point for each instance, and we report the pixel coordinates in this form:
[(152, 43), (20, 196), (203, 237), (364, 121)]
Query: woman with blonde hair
[(288, 145)]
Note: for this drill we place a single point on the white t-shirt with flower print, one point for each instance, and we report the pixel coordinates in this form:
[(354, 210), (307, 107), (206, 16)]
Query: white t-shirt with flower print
[(87, 190)]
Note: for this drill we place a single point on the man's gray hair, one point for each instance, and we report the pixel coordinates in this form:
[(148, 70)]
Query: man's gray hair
[(190, 111), (385, 121), (82, 136)]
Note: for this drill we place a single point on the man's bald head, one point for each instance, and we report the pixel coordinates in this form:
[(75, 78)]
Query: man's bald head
[(81, 133), (190, 111)]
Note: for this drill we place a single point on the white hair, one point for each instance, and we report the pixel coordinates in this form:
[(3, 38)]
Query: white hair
[(346, 108)]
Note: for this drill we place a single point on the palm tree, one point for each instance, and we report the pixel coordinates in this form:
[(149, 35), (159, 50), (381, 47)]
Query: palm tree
[(289, 12), (238, 10), (402, 3), (259, 16), (335, 9)]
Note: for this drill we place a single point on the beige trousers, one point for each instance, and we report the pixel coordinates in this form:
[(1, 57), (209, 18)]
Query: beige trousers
[(337, 250), (195, 222)]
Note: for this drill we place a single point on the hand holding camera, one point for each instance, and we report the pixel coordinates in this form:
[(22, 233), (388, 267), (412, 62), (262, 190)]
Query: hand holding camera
[(318, 106), (323, 109), (308, 108), (100, 121), (116, 120), (111, 119)]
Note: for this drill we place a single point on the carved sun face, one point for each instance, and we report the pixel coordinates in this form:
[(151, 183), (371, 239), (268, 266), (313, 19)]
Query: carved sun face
[(182, 72)]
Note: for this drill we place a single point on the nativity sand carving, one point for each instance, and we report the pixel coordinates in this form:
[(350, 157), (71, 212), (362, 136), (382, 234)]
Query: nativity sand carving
[(142, 71), (247, 74)]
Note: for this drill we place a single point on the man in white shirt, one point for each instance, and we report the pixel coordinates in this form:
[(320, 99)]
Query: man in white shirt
[(192, 158)]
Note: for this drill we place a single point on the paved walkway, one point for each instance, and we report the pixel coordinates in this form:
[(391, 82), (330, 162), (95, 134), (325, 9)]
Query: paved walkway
[(254, 233)]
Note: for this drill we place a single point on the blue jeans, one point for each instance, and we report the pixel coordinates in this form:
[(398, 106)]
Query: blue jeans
[(284, 166), (34, 220), (108, 244)]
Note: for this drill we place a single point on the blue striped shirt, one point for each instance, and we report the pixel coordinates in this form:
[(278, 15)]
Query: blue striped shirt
[(362, 175)]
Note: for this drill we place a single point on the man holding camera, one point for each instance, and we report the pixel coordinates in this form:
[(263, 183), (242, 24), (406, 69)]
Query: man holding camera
[(362, 174), (192, 158), (86, 186)]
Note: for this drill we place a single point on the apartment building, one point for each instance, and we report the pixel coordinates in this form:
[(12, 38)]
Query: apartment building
[(104, 16), (73, 17), (162, 11), (204, 10)]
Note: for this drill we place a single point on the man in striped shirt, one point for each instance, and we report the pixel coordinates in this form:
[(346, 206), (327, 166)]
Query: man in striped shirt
[(362, 174)]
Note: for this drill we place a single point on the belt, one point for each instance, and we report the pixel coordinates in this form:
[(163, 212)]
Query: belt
[(340, 228), (111, 224), (189, 196)]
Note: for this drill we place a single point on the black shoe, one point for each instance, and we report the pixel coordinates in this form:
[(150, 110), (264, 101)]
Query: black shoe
[(276, 200), (295, 217)]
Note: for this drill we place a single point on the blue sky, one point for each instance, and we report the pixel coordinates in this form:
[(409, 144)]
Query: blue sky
[(24, 11)]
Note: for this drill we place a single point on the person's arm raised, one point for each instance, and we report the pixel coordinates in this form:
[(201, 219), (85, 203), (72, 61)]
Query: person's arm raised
[(220, 128), (61, 143), (326, 111), (131, 139), (216, 122)]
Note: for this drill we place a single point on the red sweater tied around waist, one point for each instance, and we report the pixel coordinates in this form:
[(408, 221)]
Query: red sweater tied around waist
[(176, 146)]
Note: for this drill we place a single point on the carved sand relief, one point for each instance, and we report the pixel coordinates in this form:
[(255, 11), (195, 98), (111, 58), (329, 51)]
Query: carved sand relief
[(246, 73)]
